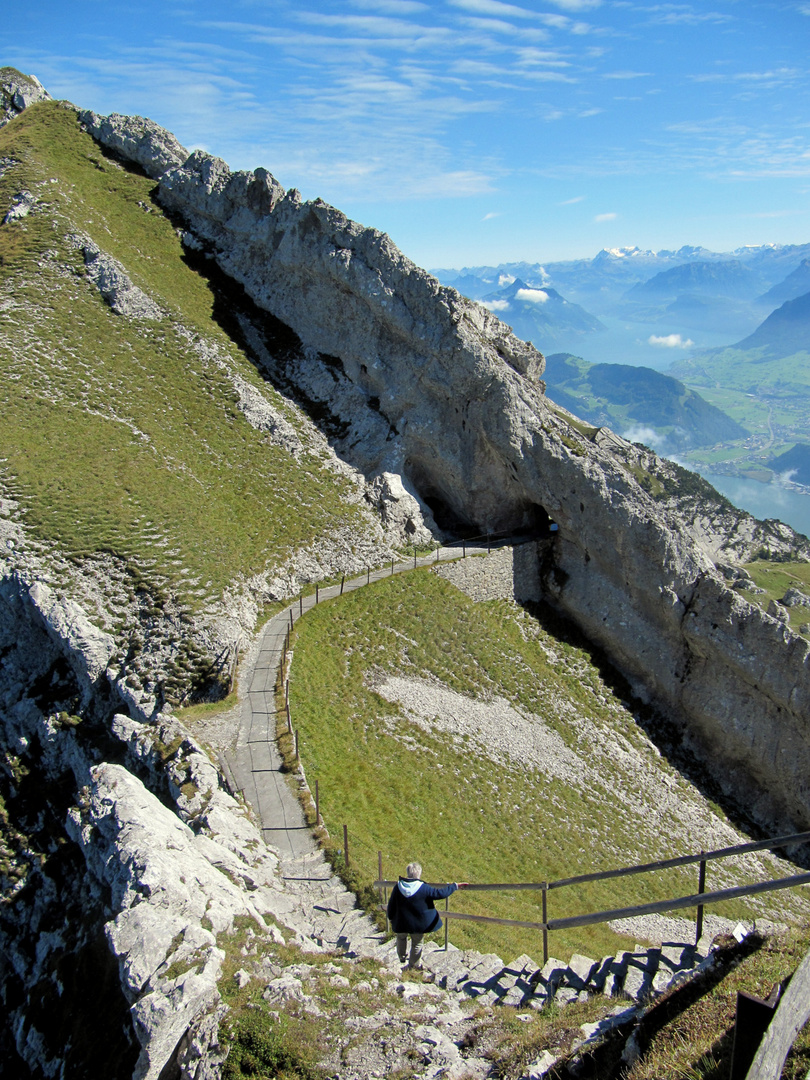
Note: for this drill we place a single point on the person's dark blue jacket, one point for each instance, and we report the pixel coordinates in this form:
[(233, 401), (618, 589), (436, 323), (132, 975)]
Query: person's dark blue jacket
[(410, 906)]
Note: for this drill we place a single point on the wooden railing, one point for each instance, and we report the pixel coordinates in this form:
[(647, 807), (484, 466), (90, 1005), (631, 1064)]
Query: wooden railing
[(698, 899)]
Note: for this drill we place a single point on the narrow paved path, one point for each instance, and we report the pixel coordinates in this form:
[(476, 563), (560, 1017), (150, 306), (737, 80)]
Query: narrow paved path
[(256, 762)]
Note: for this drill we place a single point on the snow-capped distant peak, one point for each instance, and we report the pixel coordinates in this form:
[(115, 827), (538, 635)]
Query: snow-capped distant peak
[(621, 253)]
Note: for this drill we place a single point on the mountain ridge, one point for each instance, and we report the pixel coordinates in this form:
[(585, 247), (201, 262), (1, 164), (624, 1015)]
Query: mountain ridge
[(356, 406)]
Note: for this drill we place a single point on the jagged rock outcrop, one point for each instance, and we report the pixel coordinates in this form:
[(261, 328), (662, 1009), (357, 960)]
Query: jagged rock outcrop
[(136, 139), (17, 92), (442, 408), (163, 860), (431, 387), (113, 282)]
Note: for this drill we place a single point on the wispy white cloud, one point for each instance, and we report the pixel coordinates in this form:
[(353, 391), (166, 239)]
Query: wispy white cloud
[(570, 202), (495, 305), (392, 7), (492, 214), (675, 15), (605, 217), (623, 75), (640, 433), (670, 341), (577, 5), (494, 7)]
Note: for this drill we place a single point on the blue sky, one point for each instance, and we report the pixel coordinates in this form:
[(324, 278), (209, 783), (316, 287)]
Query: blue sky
[(473, 131)]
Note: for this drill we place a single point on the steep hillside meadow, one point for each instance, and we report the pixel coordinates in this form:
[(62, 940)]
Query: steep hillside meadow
[(216, 398)]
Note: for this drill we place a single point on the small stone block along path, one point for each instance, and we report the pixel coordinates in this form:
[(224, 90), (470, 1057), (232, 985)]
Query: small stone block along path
[(326, 916)]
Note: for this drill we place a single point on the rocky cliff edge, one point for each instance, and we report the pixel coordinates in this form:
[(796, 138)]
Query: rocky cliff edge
[(431, 388)]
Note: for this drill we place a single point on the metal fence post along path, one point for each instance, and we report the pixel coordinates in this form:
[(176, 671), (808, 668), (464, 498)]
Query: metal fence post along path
[(695, 900)]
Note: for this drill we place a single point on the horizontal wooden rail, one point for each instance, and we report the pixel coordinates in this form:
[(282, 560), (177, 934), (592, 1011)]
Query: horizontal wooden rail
[(680, 902), (493, 919), (695, 900), (640, 868), (683, 860), (502, 887)]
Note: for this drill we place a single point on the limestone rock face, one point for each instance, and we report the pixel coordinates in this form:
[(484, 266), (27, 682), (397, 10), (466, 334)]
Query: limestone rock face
[(112, 281), (17, 92), (136, 139), (400, 510), (425, 385), (155, 858), (163, 886), (420, 367)]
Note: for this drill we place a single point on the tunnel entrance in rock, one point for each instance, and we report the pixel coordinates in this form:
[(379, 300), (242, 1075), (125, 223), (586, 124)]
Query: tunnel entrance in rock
[(446, 516), (527, 519), (536, 522)]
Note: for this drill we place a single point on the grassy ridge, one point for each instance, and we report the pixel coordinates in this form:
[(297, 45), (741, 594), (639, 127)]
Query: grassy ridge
[(124, 435), (466, 815)]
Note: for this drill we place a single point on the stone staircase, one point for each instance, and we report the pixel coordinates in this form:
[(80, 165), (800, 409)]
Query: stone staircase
[(326, 918)]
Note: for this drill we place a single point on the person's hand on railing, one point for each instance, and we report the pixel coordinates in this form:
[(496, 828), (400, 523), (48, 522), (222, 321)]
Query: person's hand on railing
[(462, 884)]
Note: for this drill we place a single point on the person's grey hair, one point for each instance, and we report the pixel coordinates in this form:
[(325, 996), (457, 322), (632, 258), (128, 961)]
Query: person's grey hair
[(413, 870)]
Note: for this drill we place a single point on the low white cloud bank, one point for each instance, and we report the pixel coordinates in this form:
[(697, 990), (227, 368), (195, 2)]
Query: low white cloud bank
[(670, 341), (534, 296), (495, 305), (647, 435)]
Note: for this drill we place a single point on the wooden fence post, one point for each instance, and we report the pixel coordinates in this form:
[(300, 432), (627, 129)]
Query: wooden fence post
[(368, 575), (791, 1016), (297, 756), (392, 568), (316, 592), (301, 604), (346, 845), (383, 889), (545, 921), (342, 582), (701, 890), (289, 721), (291, 618), (317, 804)]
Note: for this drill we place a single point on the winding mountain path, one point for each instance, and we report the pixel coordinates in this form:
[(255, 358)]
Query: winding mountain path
[(326, 910), (256, 764)]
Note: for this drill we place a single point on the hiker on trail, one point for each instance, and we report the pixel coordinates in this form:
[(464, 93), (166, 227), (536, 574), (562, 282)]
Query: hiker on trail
[(411, 912)]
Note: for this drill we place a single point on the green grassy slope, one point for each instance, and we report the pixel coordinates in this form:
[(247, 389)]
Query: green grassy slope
[(470, 812), (124, 435), (620, 396), (768, 394)]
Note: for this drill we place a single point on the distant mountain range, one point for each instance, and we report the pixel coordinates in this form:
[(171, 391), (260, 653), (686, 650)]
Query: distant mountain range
[(662, 311), (795, 284), (540, 315), (785, 332), (602, 282), (796, 463), (726, 278), (637, 402)]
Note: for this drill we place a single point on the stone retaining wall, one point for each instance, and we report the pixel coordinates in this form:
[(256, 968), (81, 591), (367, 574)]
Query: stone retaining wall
[(508, 573)]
